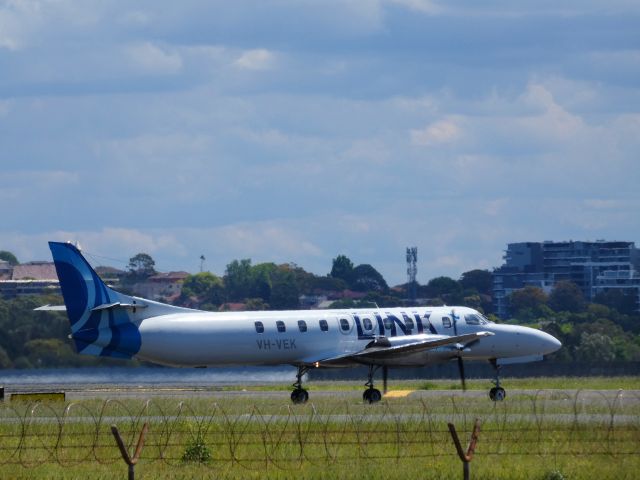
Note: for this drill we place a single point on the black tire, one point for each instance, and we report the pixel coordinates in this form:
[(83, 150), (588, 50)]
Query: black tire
[(376, 396), (299, 395), (492, 394), (366, 396)]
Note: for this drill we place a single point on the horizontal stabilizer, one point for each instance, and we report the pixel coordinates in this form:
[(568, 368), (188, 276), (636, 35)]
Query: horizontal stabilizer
[(51, 308), (108, 306)]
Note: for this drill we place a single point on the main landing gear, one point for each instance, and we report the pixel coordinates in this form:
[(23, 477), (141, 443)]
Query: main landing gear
[(497, 393), (299, 394), (371, 395)]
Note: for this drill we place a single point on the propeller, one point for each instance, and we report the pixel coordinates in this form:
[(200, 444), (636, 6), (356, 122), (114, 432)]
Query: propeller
[(460, 348), (461, 370), (385, 375), (454, 320)]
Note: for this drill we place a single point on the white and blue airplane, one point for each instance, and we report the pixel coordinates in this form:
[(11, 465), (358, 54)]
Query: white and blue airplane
[(108, 323)]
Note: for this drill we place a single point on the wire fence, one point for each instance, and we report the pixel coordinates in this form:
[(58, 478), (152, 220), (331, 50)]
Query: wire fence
[(230, 434)]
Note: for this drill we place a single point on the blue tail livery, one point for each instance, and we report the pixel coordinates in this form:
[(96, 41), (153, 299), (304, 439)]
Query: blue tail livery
[(103, 322)]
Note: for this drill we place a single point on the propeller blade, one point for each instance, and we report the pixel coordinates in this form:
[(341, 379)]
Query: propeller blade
[(454, 319), (461, 370), (385, 375)]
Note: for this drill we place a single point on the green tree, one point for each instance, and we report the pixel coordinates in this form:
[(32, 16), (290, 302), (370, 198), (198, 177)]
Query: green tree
[(49, 352), (623, 302), (238, 280), (365, 278), (5, 361), (595, 347), (256, 304), (8, 257), (445, 288), (284, 291), (566, 297), (342, 268), (473, 301), (528, 298), (141, 266), (327, 283), (204, 287), (479, 280), (261, 276)]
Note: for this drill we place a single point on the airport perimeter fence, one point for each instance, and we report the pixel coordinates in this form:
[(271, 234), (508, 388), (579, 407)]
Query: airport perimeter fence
[(224, 436)]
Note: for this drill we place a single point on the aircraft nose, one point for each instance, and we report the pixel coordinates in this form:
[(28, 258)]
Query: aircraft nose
[(549, 343)]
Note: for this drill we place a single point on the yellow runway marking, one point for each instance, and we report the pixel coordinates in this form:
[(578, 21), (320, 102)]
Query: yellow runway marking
[(398, 393)]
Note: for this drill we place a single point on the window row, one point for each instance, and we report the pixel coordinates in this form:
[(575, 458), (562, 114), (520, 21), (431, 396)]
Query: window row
[(302, 326)]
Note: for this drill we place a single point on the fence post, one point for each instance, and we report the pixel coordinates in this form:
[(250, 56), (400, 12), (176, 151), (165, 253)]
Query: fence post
[(130, 461), (468, 456)]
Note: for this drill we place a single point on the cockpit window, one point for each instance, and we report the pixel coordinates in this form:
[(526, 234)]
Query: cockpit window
[(475, 319), (472, 319), (486, 320)]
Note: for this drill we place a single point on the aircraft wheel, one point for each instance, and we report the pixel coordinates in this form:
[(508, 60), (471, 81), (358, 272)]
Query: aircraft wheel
[(497, 394), (299, 395), (372, 395)]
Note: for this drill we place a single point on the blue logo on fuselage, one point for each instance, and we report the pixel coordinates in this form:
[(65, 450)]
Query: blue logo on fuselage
[(392, 326)]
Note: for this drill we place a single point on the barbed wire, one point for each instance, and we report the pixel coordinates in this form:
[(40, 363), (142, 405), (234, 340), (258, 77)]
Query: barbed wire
[(220, 436)]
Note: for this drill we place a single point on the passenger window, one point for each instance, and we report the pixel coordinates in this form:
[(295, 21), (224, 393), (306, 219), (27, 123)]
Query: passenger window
[(446, 322), (259, 327), (408, 323), (388, 323), (324, 326), (302, 325), (344, 325), (366, 323), (281, 326)]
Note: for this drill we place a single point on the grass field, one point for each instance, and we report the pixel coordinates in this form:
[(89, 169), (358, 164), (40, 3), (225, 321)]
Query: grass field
[(542, 434)]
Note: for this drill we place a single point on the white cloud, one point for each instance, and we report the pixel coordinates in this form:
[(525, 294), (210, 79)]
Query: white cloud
[(257, 59), (152, 59), (423, 6), (442, 131)]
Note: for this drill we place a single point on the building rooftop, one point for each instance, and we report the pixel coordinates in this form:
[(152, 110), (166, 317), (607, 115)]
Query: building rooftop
[(35, 271)]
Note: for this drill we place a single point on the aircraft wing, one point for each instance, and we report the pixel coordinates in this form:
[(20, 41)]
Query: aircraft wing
[(383, 349)]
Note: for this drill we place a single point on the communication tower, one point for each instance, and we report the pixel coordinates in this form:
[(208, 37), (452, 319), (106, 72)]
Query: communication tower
[(412, 271)]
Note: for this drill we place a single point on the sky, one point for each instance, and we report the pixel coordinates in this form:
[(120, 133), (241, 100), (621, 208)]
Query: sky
[(295, 131)]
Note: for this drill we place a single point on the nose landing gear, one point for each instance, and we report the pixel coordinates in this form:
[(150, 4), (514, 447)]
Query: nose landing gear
[(371, 394), (497, 393), (299, 394)]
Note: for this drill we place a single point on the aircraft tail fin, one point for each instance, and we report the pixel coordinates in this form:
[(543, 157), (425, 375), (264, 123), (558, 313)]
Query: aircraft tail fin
[(103, 321)]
